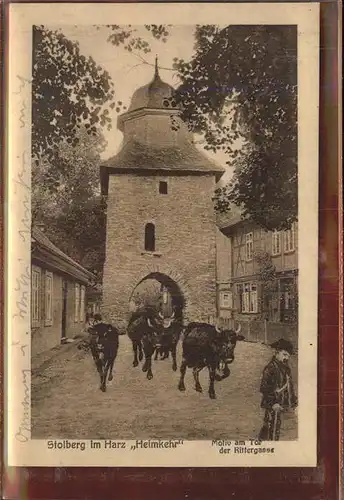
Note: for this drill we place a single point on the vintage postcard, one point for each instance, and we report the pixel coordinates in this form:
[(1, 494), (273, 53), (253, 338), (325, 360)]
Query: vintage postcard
[(162, 235)]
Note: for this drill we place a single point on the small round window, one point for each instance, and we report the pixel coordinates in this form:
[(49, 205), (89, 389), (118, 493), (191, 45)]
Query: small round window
[(166, 103)]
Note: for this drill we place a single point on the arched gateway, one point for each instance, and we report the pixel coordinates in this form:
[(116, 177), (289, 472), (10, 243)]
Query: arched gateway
[(160, 214), (160, 291)]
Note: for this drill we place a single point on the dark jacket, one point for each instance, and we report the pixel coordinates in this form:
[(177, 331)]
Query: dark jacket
[(277, 386)]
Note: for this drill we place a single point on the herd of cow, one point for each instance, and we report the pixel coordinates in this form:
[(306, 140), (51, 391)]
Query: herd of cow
[(203, 345)]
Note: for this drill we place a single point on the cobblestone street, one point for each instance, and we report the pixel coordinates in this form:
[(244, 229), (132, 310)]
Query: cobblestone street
[(67, 402)]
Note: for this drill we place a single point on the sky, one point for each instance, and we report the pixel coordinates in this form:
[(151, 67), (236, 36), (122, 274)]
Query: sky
[(128, 73)]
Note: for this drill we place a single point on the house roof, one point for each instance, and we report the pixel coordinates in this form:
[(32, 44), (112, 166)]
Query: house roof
[(49, 253), (137, 157), (231, 218)]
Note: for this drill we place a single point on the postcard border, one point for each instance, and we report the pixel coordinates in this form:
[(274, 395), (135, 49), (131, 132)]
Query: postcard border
[(140, 479)]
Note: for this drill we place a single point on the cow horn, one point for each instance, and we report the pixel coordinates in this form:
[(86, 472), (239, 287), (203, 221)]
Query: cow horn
[(217, 329), (160, 315), (149, 323), (173, 314), (238, 329)]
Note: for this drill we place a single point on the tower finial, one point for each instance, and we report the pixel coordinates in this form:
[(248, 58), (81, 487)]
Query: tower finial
[(156, 74)]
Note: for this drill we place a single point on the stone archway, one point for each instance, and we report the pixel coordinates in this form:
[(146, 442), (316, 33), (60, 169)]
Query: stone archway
[(160, 291), (198, 301)]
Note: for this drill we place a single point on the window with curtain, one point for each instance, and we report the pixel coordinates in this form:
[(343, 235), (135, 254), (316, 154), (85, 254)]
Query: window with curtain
[(289, 239), (249, 246), (249, 303), (226, 300), (276, 242)]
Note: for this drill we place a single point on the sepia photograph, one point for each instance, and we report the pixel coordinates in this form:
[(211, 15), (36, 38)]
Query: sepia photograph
[(164, 237)]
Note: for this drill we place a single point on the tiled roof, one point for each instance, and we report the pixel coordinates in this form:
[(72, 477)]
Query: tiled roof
[(39, 237), (231, 218), (184, 158)]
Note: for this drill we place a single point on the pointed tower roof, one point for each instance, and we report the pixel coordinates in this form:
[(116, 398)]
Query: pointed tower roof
[(155, 95)]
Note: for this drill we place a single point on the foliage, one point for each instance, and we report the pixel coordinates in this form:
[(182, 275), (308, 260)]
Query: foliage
[(68, 90), (240, 87), (147, 294), (267, 272), (74, 213), (268, 278), (127, 36), (294, 295)]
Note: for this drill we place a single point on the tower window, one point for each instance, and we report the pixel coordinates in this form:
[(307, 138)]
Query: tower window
[(150, 237), (163, 187)]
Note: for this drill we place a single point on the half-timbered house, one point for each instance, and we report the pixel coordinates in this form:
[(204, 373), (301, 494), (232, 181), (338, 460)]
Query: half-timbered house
[(261, 279)]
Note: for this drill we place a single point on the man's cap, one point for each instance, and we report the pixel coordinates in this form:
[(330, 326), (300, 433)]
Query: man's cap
[(97, 317), (283, 345)]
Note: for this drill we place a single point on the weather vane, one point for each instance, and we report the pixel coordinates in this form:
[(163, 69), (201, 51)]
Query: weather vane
[(156, 66)]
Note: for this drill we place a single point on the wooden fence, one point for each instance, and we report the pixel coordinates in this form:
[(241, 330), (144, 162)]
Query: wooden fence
[(265, 332)]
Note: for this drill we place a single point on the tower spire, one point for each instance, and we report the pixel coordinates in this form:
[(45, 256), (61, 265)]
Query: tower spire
[(156, 73)]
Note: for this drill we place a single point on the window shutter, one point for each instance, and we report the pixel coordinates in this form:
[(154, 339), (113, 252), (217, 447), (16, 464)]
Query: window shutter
[(246, 298), (77, 302), (249, 246), (35, 297), (82, 303), (254, 299), (48, 298)]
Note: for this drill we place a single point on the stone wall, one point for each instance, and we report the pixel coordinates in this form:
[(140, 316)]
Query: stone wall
[(185, 241)]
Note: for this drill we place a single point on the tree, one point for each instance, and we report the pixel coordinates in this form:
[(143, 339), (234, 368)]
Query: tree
[(147, 294), (270, 289), (267, 278), (74, 213), (69, 90), (241, 85), (127, 35)]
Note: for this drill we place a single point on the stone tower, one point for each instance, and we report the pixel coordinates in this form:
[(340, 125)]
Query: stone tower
[(160, 215)]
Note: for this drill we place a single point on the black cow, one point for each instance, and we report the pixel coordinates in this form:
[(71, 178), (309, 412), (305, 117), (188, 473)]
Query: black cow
[(150, 332), (104, 345), (143, 331), (206, 346), (170, 330)]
